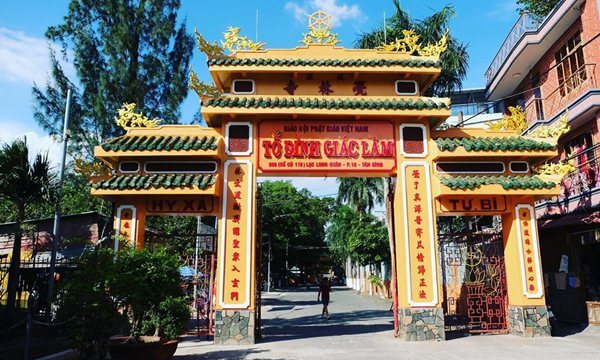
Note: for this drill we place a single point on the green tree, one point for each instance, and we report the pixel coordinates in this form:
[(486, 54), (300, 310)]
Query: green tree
[(538, 9), (359, 236), (22, 184), (361, 193), (454, 60), (293, 222), (131, 51)]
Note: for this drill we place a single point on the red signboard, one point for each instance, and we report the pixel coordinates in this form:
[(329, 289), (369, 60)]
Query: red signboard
[(313, 146)]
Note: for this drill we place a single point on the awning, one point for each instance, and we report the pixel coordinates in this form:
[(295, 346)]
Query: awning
[(579, 219)]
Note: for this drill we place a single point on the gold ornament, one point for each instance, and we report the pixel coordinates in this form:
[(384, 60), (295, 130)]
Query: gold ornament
[(128, 118), (202, 89), (210, 49), (553, 132), (91, 170), (516, 121), (409, 45), (234, 42), (319, 24)]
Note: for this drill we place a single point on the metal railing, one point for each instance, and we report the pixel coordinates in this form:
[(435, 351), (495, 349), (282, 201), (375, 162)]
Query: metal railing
[(568, 90), (586, 176), (525, 24)]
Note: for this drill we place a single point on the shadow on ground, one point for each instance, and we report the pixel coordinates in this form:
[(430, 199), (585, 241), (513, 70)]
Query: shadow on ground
[(312, 326), (232, 354)]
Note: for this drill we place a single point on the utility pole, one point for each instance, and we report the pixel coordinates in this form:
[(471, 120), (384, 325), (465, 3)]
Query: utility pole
[(269, 269), (56, 229), (198, 229)]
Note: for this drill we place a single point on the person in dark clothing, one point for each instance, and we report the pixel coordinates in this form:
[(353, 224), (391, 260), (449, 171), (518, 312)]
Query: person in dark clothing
[(323, 295)]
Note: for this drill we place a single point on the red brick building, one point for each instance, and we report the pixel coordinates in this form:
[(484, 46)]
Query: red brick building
[(551, 67)]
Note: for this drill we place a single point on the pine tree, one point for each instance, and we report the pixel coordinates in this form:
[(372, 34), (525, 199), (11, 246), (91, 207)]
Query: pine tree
[(123, 51)]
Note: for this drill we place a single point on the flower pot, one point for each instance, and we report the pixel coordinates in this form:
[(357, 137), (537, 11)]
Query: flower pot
[(148, 349)]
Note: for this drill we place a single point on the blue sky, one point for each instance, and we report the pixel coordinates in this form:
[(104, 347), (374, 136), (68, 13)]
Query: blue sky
[(24, 50)]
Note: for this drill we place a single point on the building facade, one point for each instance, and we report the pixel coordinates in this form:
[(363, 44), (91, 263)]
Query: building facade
[(551, 67)]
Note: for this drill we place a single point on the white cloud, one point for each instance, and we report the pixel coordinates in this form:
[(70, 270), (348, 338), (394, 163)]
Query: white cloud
[(339, 11), (25, 59), (37, 143)]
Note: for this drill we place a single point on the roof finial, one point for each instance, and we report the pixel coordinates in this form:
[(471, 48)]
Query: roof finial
[(319, 24)]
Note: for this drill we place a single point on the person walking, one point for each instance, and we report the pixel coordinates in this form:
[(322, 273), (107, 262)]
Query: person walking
[(323, 295)]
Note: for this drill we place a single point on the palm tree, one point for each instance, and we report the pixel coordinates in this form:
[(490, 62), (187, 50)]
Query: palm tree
[(454, 60), (21, 183), (361, 193)]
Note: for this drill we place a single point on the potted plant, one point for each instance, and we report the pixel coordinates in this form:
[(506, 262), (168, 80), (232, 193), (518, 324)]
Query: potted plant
[(147, 289), (135, 290)]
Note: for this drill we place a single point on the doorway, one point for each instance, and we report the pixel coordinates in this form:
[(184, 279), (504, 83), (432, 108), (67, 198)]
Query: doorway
[(473, 274)]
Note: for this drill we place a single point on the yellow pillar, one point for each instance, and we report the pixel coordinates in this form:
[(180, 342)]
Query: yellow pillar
[(236, 250), (527, 312), (421, 316), (129, 225)]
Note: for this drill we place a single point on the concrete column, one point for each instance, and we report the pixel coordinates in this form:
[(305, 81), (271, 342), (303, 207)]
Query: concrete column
[(527, 312)]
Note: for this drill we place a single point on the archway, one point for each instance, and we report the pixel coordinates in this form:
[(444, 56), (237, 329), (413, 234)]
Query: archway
[(322, 110)]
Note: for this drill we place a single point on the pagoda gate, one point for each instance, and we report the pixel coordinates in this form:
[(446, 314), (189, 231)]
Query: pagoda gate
[(323, 110)]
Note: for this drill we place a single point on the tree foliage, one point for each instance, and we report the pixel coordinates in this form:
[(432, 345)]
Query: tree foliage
[(22, 184), (361, 193), (538, 9), (292, 219), (360, 236), (123, 52), (431, 29)]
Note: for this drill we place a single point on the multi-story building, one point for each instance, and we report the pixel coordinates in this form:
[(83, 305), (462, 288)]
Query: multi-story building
[(470, 108), (551, 68)]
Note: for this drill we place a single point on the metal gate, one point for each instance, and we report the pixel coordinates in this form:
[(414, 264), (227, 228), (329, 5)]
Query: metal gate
[(474, 282)]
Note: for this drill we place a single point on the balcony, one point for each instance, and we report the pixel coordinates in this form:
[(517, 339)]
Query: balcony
[(541, 109), (580, 189), (525, 24), (586, 177), (527, 42)]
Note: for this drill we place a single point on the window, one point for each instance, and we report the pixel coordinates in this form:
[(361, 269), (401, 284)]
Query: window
[(406, 87), (243, 86), (470, 167), (181, 167), (570, 65), (129, 166), (519, 167)]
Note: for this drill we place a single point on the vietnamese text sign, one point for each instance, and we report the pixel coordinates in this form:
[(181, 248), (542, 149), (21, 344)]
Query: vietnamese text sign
[(313, 146), (529, 251), (466, 204), (172, 205), (235, 247), (419, 236)]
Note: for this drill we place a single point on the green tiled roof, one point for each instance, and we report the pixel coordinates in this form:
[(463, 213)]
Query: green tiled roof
[(167, 143), (493, 144), (326, 103), (507, 182), (157, 181), (323, 62)]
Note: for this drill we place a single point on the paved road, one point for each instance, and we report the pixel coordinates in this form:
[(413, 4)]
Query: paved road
[(361, 328)]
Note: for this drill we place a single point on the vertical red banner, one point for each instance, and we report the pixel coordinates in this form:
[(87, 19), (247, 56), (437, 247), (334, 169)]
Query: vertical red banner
[(419, 237), (529, 251), (236, 235)]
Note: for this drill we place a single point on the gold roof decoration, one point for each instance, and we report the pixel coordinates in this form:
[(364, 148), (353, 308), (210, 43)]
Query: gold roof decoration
[(128, 118), (234, 42), (555, 171), (551, 133), (320, 24), (410, 45), (210, 49), (204, 90)]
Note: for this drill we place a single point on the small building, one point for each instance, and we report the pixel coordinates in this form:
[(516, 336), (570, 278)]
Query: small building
[(551, 68)]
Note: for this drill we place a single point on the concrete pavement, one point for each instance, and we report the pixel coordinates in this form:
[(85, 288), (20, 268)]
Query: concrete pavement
[(361, 328)]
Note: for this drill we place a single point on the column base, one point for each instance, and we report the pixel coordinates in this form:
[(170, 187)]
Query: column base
[(234, 327), (421, 324), (528, 321)]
